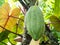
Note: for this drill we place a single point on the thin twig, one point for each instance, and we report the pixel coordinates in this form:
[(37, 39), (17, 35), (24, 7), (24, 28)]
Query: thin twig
[(24, 5), (23, 10), (16, 27)]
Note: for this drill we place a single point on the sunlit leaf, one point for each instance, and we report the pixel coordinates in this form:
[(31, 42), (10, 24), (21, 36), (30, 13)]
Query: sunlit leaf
[(57, 8), (15, 12), (21, 25), (6, 0), (12, 37), (3, 17), (8, 17), (6, 6), (11, 23), (15, 0), (19, 28), (55, 22)]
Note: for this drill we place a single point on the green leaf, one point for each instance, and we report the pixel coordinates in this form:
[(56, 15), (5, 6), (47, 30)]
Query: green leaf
[(19, 28), (57, 8), (45, 0), (2, 43), (1, 2), (58, 34), (5, 41), (55, 22), (11, 38), (15, 0), (21, 25), (4, 35)]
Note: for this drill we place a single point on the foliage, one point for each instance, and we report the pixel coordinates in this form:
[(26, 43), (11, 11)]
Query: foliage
[(1, 2), (56, 9), (12, 20), (9, 18)]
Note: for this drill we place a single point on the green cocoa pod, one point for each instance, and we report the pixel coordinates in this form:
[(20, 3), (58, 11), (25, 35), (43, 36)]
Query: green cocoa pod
[(34, 22)]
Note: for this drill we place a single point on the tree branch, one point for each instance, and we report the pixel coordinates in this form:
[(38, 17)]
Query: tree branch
[(23, 4)]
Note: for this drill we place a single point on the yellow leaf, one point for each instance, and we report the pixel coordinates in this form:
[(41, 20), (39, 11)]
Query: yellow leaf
[(11, 23), (6, 7), (15, 12), (1, 29), (3, 16), (6, 20)]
